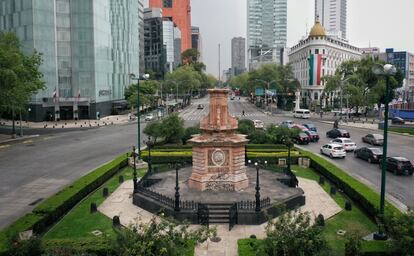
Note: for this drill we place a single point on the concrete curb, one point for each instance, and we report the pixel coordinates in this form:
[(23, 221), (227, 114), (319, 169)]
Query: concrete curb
[(19, 139)]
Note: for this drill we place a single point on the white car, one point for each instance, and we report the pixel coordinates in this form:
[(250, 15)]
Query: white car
[(258, 124), (149, 117), (347, 143), (333, 150)]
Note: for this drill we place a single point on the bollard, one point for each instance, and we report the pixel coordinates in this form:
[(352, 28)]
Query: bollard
[(93, 208), (348, 206), (116, 222), (320, 220), (321, 180), (105, 192), (121, 179), (333, 191)]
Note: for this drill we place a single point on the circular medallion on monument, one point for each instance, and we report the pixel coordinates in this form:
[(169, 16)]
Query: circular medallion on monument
[(218, 157)]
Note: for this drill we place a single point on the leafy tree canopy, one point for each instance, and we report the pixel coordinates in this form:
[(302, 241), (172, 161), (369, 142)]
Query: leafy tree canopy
[(20, 76)]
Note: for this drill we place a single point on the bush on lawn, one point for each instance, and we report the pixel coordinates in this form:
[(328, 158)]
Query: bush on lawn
[(401, 229), (359, 192), (56, 206), (257, 137), (84, 246), (189, 131), (246, 126)]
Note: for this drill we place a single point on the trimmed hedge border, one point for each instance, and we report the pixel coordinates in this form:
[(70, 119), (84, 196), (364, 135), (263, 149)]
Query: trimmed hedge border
[(359, 192), (53, 208)]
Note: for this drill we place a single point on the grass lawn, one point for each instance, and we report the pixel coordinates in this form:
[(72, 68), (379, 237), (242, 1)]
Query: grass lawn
[(79, 222), (355, 220), (402, 130)]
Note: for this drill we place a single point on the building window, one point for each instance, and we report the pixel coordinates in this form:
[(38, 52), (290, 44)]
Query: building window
[(167, 3), (316, 96)]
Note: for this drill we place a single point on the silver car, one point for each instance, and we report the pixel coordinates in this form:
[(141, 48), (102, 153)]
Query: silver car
[(373, 139)]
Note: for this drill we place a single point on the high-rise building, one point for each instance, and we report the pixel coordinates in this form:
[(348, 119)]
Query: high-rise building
[(196, 40), (154, 48), (178, 11), (266, 31), (141, 37), (238, 55), (332, 15), (89, 48), (172, 42)]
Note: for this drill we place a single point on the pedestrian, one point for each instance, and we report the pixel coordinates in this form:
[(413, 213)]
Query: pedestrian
[(129, 116), (336, 124), (243, 113), (321, 113)]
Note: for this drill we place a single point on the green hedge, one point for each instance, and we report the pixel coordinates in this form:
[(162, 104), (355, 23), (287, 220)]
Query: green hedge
[(175, 147), (266, 146), (95, 246), (56, 206), (48, 212), (359, 192)]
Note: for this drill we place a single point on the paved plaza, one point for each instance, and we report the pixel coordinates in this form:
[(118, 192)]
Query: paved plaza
[(120, 203)]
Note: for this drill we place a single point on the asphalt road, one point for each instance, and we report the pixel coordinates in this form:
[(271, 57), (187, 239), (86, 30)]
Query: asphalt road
[(38, 168)]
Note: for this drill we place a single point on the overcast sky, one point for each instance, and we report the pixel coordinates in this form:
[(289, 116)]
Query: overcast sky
[(383, 23)]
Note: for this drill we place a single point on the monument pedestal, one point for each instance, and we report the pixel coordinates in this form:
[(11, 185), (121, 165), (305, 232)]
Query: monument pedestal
[(219, 152)]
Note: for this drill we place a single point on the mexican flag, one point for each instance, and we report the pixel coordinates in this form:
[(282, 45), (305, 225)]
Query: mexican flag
[(315, 69)]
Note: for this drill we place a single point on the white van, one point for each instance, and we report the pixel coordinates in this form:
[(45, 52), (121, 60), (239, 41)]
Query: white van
[(301, 113)]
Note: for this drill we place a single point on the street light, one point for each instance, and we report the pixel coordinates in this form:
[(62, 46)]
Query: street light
[(387, 71), (143, 77)]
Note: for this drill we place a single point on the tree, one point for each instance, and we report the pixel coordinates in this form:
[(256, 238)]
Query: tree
[(257, 137), (246, 126), (20, 76), (400, 227), (242, 82), (184, 79), (162, 237), (172, 128), (189, 131), (190, 56), (353, 244), (154, 129), (280, 134), (147, 90), (292, 234)]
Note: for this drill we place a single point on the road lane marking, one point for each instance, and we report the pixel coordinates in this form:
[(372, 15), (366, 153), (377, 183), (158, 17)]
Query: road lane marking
[(27, 141), (4, 146)]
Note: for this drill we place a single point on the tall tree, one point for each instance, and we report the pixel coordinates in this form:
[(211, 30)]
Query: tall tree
[(20, 76), (147, 90)]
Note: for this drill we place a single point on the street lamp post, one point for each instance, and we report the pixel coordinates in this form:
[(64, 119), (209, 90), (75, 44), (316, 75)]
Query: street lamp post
[(135, 169), (177, 190), (143, 77), (388, 70), (257, 195)]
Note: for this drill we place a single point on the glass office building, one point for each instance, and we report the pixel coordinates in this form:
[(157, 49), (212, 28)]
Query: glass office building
[(89, 47), (266, 30)]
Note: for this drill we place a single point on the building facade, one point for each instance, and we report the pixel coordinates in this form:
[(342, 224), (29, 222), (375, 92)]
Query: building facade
[(154, 49), (332, 15), (238, 55), (141, 24), (266, 31), (89, 48), (196, 41), (317, 56), (172, 43), (178, 11)]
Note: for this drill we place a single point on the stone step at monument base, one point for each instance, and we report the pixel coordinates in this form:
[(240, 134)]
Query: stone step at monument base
[(218, 213)]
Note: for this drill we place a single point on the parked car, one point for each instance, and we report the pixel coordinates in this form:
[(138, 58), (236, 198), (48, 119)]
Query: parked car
[(373, 139), (348, 144), (337, 133), (149, 117), (302, 138), (311, 127), (399, 165), (200, 106), (372, 155), (313, 136), (287, 123), (397, 120), (300, 127), (333, 150), (258, 124)]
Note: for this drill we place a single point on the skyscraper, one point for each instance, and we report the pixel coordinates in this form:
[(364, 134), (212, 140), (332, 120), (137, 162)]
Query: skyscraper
[(89, 48), (196, 41), (238, 55), (332, 15), (266, 30), (178, 11)]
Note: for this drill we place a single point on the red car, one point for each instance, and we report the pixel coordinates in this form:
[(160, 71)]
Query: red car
[(313, 136), (302, 138)]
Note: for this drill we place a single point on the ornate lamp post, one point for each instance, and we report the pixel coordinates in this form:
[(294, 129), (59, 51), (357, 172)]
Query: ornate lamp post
[(135, 170), (257, 188), (388, 70), (177, 190), (134, 77), (149, 145)]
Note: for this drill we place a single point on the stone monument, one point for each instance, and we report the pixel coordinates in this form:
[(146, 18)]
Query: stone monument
[(218, 152)]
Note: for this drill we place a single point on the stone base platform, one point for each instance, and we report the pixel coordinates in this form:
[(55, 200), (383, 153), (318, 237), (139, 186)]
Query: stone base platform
[(276, 195)]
